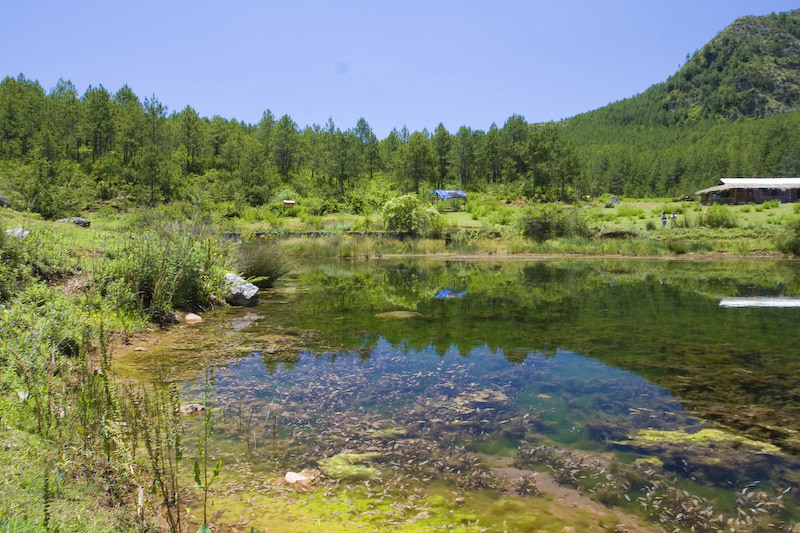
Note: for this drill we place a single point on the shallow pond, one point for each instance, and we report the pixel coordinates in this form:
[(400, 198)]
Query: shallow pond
[(424, 395)]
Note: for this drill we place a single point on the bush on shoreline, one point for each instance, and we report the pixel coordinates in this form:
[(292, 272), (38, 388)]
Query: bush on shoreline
[(409, 215), (788, 239), (546, 221)]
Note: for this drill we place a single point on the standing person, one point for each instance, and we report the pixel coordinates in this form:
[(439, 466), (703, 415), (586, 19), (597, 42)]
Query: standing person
[(674, 217), (664, 218)]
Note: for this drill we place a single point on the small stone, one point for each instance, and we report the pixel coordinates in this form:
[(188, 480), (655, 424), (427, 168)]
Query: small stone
[(140, 349), (192, 409), (304, 477), (192, 318)]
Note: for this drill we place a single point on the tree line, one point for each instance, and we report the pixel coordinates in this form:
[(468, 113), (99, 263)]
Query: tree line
[(62, 151)]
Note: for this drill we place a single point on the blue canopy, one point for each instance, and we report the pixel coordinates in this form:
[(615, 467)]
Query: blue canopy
[(448, 293), (447, 195)]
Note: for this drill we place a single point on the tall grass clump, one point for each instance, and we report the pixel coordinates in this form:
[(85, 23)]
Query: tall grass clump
[(12, 265), (156, 273), (546, 221), (788, 239), (631, 211), (717, 216), (262, 262)]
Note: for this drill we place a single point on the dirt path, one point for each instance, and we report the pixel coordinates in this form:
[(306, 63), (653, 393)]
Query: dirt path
[(569, 497)]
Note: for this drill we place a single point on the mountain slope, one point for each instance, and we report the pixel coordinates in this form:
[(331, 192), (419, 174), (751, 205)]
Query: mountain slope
[(751, 68), (732, 110)]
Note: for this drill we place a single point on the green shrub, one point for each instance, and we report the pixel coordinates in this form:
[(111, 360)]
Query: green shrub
[(718, 216), (682, 222), (408, 214), (788, 239), (545, 221), (771, 204), (677, 246), (501, 217), (262, 263), (650, 225), (796, 208)]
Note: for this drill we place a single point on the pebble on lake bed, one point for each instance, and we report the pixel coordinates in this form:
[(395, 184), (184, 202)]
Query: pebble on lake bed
[(192, 409), (191, 318), (304, 477)]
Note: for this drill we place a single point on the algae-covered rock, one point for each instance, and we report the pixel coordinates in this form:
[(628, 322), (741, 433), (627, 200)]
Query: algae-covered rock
[(350, 466), (704, 436), (388, 433), (710, 454)]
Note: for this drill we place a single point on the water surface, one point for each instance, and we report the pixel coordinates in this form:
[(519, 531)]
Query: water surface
[(626, 380)]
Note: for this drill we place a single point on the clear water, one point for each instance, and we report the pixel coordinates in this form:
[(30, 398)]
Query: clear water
[(633, 366)]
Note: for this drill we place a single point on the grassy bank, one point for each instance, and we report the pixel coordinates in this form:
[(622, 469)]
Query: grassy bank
[(83, 449)]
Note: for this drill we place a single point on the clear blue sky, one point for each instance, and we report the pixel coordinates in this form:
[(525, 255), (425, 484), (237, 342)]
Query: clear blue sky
[(416, 63)]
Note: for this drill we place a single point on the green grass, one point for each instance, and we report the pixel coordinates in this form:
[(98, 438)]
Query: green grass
[(77, 503)]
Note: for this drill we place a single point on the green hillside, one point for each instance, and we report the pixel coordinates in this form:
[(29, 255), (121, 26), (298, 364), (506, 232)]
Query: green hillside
[(733, 109), (751, 68)]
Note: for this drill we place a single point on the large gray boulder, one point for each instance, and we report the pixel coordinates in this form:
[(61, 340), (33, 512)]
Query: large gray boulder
[(78, 221), (239, 292), (3, 202)]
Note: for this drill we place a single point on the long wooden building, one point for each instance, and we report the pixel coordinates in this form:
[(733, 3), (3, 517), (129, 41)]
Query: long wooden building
[(735, 191)]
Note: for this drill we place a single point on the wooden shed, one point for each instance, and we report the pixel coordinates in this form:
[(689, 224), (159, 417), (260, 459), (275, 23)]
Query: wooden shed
[(735, 191)]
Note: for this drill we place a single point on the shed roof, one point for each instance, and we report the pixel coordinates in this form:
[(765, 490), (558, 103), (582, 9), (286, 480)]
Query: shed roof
[(753, 183), (449, 194)]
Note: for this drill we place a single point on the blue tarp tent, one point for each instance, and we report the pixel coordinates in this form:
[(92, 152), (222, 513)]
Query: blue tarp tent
[(448, 195), (454, 196)]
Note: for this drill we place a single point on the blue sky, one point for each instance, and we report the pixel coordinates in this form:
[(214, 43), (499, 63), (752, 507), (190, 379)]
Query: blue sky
[(416, 63)]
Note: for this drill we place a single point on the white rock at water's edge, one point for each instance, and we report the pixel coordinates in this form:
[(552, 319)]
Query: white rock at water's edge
[(192, 408), (240, 292), (232, 280)]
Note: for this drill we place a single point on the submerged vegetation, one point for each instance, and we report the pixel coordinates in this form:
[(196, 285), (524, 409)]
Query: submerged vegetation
[(393, 392)]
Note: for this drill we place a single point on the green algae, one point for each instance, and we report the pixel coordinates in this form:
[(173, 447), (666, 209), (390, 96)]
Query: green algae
[(705, 437), (350, 466)]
